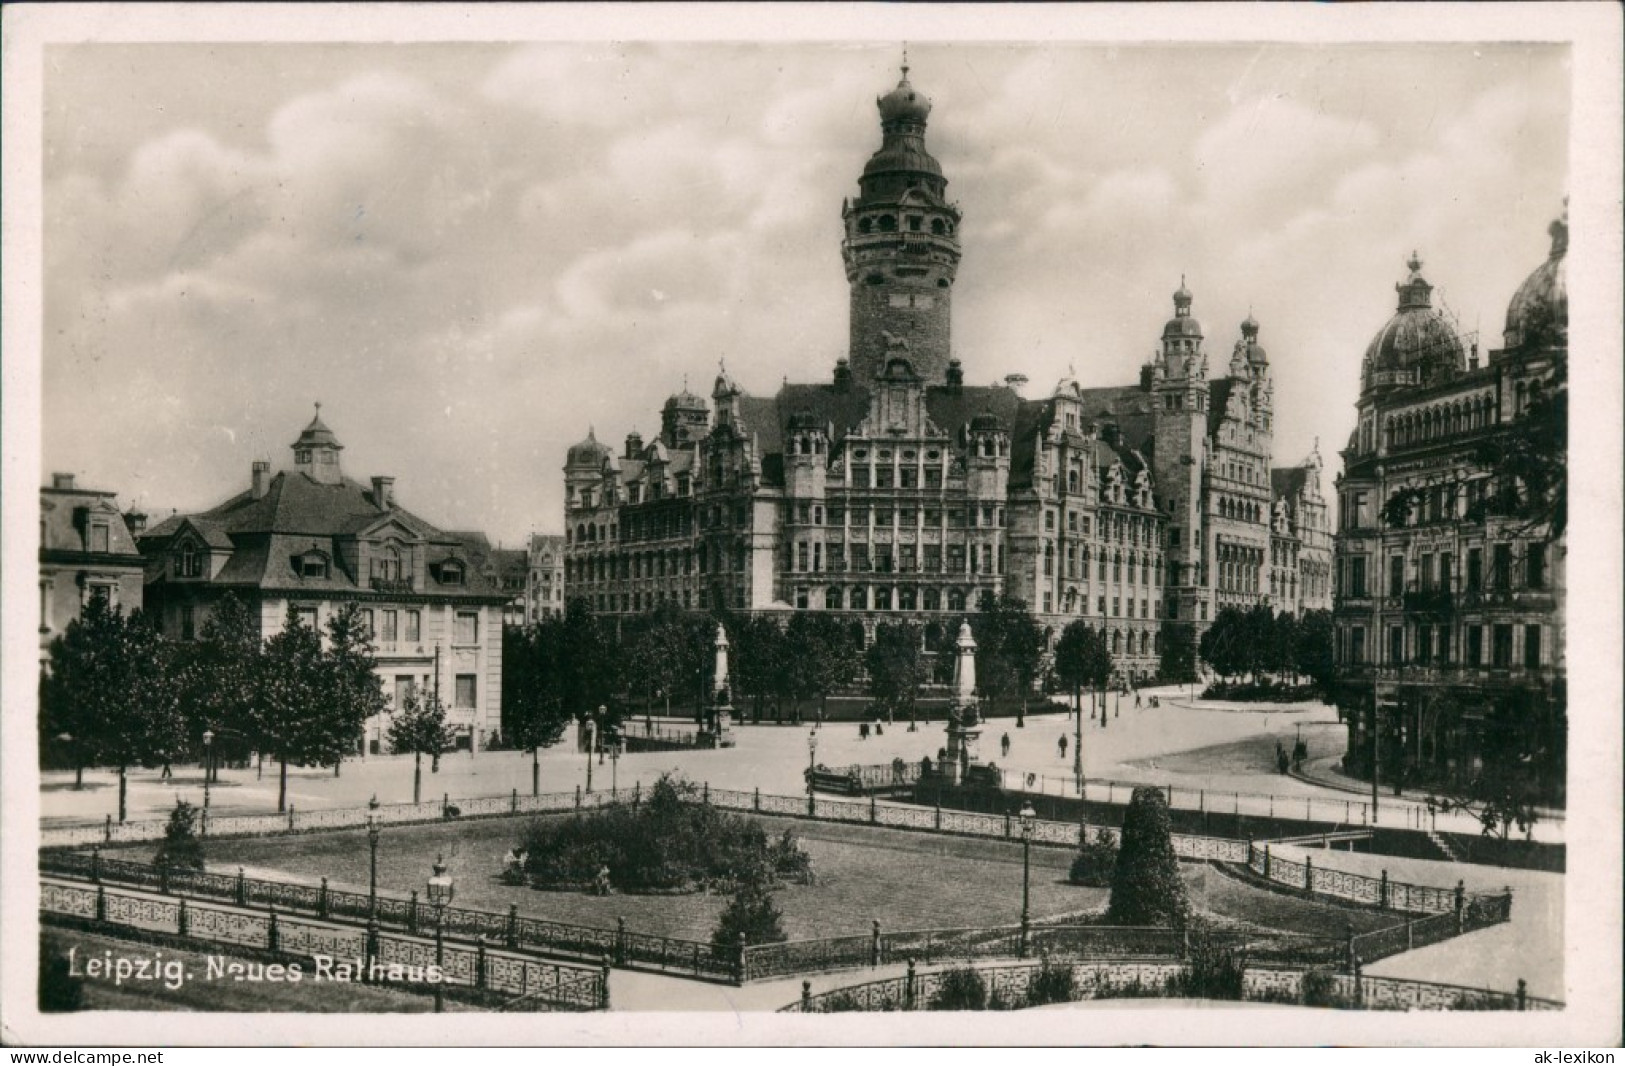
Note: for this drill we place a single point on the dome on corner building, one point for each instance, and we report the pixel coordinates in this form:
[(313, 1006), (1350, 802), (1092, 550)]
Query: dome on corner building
[(587, 454), (1419, 345), (1539, 311)]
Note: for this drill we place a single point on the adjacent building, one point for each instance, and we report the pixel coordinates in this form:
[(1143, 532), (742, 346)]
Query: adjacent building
[(894, 490), (87, 551), (544, 585), (308, 541), (1449, 620)]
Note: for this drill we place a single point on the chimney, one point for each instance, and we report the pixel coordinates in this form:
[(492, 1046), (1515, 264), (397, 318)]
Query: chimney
[(136, 522), (1111, 433), (260, 483), (383, 492), (843, 375), (62, 482), (956, 374)]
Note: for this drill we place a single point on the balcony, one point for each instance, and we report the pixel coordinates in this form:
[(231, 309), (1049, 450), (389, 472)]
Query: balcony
[(391, 584)]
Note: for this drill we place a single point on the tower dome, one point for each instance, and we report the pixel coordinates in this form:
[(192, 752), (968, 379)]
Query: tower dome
[(1417, 346), (1249, 341), (1182, 324), (587, 454), (1539, 311), (903, 104)]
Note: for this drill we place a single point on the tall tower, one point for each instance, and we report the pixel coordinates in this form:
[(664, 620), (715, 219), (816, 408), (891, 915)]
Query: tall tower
[(1180, 386), (901, 248)]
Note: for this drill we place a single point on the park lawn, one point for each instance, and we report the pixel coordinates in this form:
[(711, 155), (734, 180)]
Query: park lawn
[(902, 880), (199, 994)]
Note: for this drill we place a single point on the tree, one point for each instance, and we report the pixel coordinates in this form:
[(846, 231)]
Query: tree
[(1082, 659), (533, 714), (667, 653), (759, 662), (1178, 652), (290, 718), (588, 656), (1223, 645), (1313, 648), (1504, 790), (1009, 646), (220, 671), (1529, 456), (111, 688), (751, 916), (1146, 886), (1096, 861), (181, 849), (896, 666), (818, 657), (420, 728), (355, 691)]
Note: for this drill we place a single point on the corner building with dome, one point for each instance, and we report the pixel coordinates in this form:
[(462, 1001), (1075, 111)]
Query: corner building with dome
[(895, 491), (1449, 624)]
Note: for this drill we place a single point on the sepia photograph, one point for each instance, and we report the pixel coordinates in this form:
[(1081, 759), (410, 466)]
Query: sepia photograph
[(947, 511)]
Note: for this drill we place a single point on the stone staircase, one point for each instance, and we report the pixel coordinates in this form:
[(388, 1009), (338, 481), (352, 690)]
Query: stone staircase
[(1443, 845)]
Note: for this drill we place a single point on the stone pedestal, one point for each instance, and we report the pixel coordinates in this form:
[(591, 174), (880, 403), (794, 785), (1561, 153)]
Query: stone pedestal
[(964, 724), (718, 732)]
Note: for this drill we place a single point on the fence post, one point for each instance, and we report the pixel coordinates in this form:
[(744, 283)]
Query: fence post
[(1348, 946), (181, 921), (1523, 994), (578, 797), (479, 962), (1272, 805), (445, 804), (107, 829), (101, 903), (290, 817), (321, 900), (872, 816), (163, 879), (908, 987), (513, 926), (705, 793), (756, 798), (620, 941), (96, 865), (1410, 934), (739, 960), (1346, 812), (513, 804), (1359, 983), (1382, 890), (1201, 800), (273, 935), (1461, 899), (603, 984), (806, 996), (874, 942), (242, 888), (938, 823), (1266, 862), (1007, 825), (412, 913), (1309, 875)]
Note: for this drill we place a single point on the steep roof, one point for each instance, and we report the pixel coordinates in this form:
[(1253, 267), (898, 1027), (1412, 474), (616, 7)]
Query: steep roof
[(1286, 482)]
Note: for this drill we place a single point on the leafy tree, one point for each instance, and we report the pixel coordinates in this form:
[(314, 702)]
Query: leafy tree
[(961, 988), (1224, 645), (111, 687), (588, 655), (1504, 792), (291, 720), (181, 848), (1313, 648), (818, 656), (896, 666), (1054, 982), (355, 691), (1096, 861), (759, 662), (1178, 652), (219, 672), (1009, 646), (1530, 458), (60, 989), (668, 652), (1146, 887), (534, 715), (420, 728), (750, 917)]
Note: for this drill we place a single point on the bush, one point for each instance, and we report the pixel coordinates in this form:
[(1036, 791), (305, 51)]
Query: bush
[(1096, 861), (1319, 989), (1260, 692), (59, 989), (1053, 983), (1146, 887), (1213, 970), (961, 988), (750, 914), (181, 849)]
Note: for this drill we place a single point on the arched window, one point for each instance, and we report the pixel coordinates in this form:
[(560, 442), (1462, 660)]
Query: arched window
[(937, 227)]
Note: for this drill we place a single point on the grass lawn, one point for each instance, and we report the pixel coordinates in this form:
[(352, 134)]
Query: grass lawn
[(903, 880), (201, 994)]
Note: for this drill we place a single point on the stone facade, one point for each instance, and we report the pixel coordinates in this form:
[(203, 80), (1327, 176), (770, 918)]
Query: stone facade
[(895, 490), (544, 585), (1449, 606), (87, 550)]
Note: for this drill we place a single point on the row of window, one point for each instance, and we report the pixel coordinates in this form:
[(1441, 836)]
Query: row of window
[(904, 516), (1077, 565), (464, 692), (1075, 602), (1427, 644), (807, 557), (1436, 571)]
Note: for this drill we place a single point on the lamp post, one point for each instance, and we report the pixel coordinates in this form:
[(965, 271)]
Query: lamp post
[(614, 767), (592, 743), (208, 765), (812, 755), (372, 849), (441, 889), (1028, 816)]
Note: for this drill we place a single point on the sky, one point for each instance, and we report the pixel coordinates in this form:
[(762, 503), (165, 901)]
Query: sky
[(469, 254)]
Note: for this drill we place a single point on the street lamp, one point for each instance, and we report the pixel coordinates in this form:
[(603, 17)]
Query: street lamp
[(372, 847), (441, 889), (812, 754), (614, 767), (592, 742), (208, 765), (1028, 816)]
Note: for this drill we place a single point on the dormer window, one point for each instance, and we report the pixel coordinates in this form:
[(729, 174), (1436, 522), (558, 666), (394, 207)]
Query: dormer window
[(188, 561), (451, 573), (97, 537), (312, 564), (386, 564)]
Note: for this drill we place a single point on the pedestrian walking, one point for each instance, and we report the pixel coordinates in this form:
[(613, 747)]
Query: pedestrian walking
[(863, 730), (1136, 699), (1004, 745), (1062, 745)]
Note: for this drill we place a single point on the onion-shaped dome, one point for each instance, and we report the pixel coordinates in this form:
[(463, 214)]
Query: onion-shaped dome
[(903, 104), (986, 422), (587, 454), (1250, 347), (1539, 311), (1419, 345), (1182, 324)]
